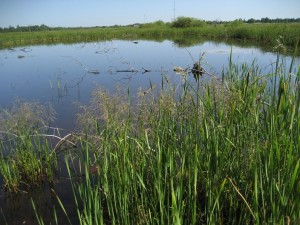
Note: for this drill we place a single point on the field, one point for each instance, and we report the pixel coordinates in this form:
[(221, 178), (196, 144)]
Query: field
[(220, 152), (260, 34)]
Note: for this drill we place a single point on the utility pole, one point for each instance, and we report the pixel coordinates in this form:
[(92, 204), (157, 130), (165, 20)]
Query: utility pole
[(174, 10)]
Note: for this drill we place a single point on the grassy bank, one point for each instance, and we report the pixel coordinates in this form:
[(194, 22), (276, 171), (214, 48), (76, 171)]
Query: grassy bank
[(263, 34)]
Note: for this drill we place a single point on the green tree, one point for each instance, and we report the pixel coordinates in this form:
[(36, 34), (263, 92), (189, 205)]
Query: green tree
[(183, 22)]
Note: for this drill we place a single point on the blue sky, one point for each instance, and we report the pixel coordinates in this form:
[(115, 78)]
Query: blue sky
[(70, 13)]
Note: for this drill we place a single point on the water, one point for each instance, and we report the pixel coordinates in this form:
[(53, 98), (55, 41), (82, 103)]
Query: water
[(67, 74), (60, 74)]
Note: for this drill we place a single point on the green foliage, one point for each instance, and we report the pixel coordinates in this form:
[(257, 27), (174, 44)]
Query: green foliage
[(27, 162), (43, 27), (26, 159), (224, 152), (264, 35), (156, 24), (235, 23), (184, 22)]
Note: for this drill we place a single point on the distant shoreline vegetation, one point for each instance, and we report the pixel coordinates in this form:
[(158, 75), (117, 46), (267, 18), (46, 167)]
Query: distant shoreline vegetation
[(261, 32)]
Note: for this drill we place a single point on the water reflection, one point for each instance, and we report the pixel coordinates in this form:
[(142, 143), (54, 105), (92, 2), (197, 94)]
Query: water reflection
[(64, 74)]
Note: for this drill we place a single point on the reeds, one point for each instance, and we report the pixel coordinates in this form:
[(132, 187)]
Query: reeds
[(26, 160), (222, 152), (264, 35), (225, 152)]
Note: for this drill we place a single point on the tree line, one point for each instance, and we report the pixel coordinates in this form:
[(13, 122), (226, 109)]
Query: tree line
[(184, 22), (180, 22)]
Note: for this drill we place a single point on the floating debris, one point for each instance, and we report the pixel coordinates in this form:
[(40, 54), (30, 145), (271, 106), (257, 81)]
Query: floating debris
[(179, 70), (145, 92), (127, 71), (93, 71), (25, 49), (197, 70)]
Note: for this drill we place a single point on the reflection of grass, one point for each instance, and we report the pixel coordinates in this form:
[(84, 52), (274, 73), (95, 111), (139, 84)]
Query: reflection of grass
[(224, 152), (256, 33)]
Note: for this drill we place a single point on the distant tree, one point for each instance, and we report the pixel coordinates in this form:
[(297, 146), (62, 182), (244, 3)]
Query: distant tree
[(251, 20), (265, 20), (43, 27), (11, 28), (183, 22), (159, 23)]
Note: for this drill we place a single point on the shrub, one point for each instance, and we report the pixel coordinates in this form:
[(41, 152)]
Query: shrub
[(183, 22)]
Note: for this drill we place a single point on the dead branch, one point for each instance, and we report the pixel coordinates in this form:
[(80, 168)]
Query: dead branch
[(62, 141), (133, 71), (127, 71), (84, 67)]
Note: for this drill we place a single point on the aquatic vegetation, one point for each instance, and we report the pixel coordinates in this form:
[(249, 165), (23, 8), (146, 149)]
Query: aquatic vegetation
[(27, 164), (29, 115), (222, 152), (26, 158)]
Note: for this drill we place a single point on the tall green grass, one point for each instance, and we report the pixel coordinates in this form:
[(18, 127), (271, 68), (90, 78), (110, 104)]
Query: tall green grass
[(219, 152), (223, 152), (261, 34), (26, 156)]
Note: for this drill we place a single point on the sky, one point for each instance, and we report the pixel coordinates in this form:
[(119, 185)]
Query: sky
[(87, 13)]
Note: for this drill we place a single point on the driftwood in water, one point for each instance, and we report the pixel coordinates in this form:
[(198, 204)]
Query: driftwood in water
[(84, 67), (133, 71), (127, 71), (58, 148), (197, 71), (93, 71), (180, 71)]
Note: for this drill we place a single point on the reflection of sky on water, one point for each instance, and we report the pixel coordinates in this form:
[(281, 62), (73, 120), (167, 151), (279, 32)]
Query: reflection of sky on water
[(59, 73)]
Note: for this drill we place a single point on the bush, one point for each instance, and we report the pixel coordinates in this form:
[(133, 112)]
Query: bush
[(183, 22), (155, 24)]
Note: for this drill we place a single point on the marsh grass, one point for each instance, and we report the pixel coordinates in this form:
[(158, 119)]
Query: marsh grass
[(263, 34), (225, 152), (219, 152), (26, 159)]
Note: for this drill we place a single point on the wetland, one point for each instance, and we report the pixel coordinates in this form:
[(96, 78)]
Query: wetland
[(122, 132)]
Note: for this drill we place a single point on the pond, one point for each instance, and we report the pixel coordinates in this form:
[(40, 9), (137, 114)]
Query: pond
[(65, 75)]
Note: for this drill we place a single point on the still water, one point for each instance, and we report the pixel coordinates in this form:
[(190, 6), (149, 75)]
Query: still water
[(64, 75)]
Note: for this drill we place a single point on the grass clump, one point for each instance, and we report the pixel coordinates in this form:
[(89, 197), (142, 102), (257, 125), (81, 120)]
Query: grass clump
[(26, 159), (225, 152)]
